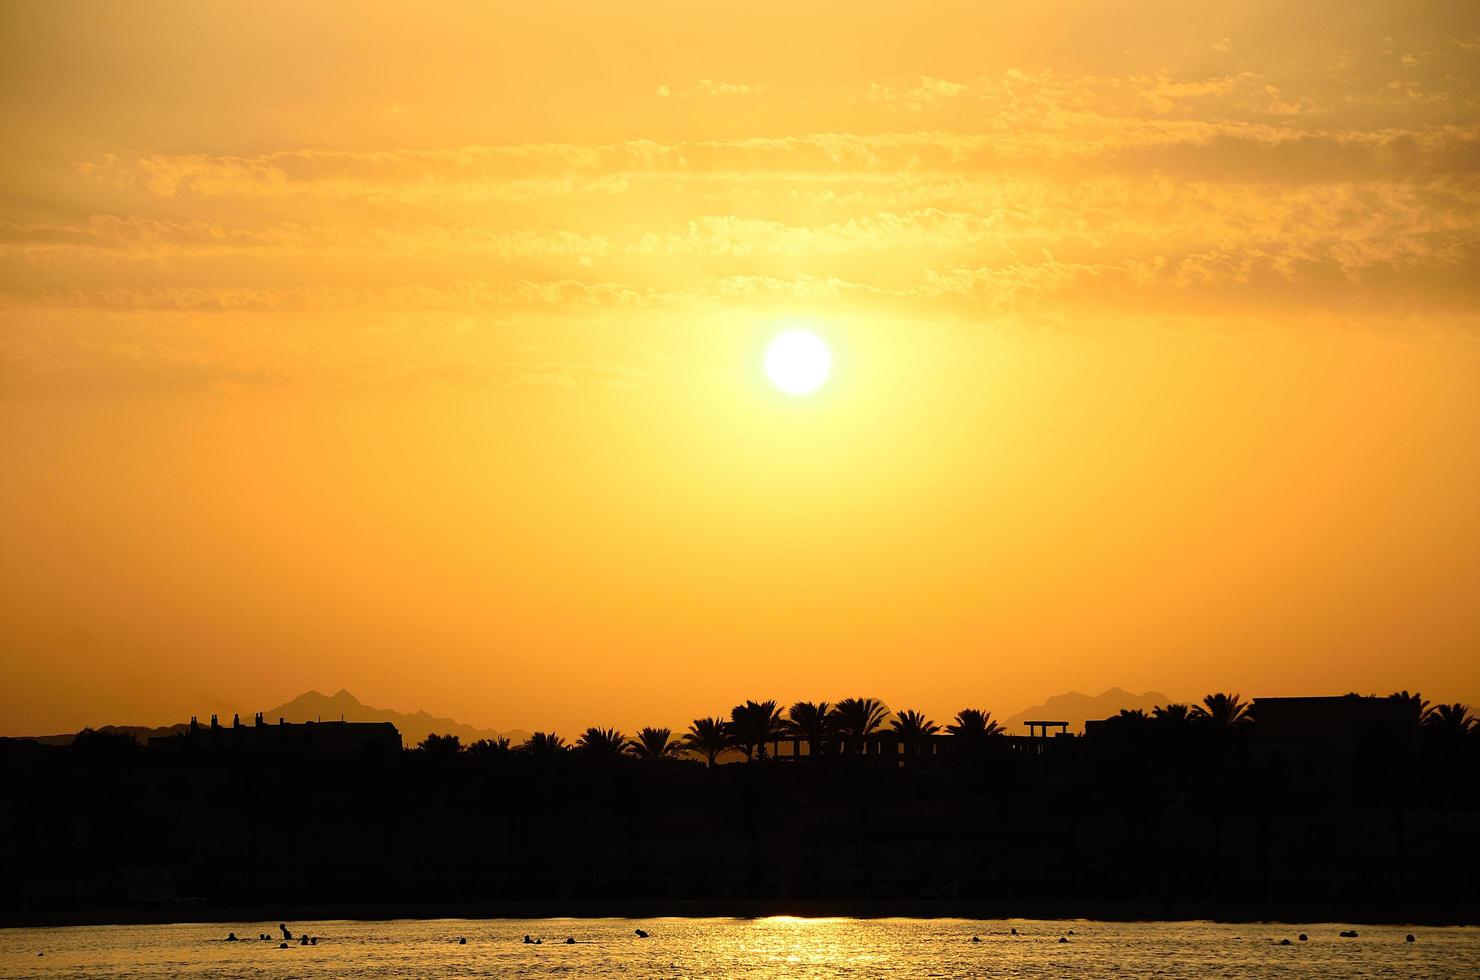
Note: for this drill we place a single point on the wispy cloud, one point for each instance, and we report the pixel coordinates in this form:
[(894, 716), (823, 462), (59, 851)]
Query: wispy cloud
[(708, 88)]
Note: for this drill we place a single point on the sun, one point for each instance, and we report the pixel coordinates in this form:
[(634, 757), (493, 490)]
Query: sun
[(798, 362)]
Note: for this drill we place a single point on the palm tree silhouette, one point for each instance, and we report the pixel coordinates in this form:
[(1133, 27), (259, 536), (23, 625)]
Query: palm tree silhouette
[(859, 718), (1421, 708), (913, 728), (974, 723), (1129, 720), (1450, 722), (440, 746), (811, 722), (655, 743), (753, 725), (601, 743), (544, 745), (707, 737), (1223, 712), (489, 748), (1171, 715)]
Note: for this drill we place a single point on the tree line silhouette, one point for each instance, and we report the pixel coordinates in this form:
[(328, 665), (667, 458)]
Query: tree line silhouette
[(843, 728), (1180, 811)]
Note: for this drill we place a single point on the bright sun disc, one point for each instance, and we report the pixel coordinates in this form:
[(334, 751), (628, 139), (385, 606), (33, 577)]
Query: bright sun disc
[(798, 362)]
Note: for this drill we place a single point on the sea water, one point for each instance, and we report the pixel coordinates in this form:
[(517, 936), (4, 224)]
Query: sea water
[(741, 948)]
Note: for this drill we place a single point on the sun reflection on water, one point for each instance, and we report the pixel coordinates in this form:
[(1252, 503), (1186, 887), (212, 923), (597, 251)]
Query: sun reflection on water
[(744, 949)]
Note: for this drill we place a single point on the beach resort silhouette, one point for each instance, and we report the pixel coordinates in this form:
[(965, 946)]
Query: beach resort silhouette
[(1355, 808)]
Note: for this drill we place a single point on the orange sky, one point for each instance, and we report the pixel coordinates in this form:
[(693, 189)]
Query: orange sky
[(418, 352)]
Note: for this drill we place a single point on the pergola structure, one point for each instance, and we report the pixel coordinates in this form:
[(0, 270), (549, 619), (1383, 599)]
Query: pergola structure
[(1039, 729)]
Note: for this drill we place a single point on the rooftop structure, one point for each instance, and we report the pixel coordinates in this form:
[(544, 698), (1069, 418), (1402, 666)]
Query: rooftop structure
[(317, 737)]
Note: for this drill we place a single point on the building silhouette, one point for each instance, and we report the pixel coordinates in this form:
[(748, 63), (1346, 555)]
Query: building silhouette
[(316, 737)]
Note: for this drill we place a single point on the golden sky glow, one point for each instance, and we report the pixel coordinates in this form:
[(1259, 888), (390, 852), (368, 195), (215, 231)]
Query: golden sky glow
[(420, 352)]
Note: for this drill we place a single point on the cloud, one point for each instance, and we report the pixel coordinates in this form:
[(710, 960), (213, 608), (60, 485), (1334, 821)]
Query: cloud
[(1023, 196), (708, 88), (152, 238), (409, 296), (915, 97), (1222, 149)]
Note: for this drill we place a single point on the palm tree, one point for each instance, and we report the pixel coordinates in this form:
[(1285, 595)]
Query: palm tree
[(601, 743), (754, 724), (1126, 724), (859, 718), (1171, 715), (707, 737), (544, 745), (655, 743), (1223, 712), (974, 723), (1416, 702), (440, 746), (489, 748), (1450, 722), (913, 728), (810, 721)]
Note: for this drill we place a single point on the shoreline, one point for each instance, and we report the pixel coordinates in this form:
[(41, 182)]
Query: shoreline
[(1285, 913)]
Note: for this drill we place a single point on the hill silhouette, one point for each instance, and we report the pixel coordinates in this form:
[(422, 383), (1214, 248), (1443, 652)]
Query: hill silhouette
[(1077, 708), (140, 733), (314, 706)]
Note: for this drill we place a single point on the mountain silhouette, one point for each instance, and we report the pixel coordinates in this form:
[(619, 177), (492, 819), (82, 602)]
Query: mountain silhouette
[(1076, 708), (140, 733), (313, 706)]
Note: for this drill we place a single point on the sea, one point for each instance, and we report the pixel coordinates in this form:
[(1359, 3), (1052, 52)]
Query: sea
[(780, 946)]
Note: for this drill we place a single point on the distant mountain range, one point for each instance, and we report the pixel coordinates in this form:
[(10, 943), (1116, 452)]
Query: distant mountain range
[(1073, 707), (1076, 708), (313, 706)]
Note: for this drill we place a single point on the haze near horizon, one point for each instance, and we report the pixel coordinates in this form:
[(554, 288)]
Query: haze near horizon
[(423, 354)]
